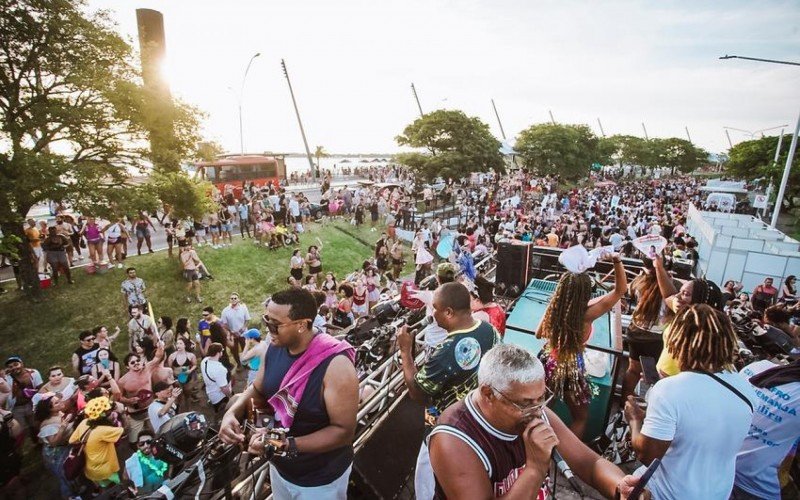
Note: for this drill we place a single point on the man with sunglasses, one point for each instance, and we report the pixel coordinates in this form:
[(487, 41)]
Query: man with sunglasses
[(143, 469), (315, 459), (137, 390), (83, 358), (498, 441), (450, 370)]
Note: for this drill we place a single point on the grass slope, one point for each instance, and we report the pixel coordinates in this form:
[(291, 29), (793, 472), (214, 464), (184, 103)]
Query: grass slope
[(46, 333)]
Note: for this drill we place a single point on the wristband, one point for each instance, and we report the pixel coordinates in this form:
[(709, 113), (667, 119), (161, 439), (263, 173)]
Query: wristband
[(291, 447)]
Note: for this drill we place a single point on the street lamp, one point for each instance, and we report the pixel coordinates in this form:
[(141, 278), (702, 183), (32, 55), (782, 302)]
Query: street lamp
[(241, 96), (753, 133), (792, 148)]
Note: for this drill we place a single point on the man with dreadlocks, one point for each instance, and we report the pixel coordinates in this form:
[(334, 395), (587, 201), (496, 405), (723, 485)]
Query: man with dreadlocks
[(696, 291), (567, 326), (682, 426)]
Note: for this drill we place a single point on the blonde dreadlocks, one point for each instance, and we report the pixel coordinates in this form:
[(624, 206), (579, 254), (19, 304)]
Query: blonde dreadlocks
[(701, 338), (562, 323)]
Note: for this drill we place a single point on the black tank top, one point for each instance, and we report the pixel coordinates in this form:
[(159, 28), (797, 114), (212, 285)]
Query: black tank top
[(307, 469), (502, 454)]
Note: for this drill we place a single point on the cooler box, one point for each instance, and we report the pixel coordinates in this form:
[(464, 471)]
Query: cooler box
[(525, 318)]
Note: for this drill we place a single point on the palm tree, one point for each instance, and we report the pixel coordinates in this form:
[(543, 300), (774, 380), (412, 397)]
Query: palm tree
[(320, 153)]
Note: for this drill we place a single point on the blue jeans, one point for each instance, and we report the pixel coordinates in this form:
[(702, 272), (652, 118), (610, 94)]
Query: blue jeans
[(54, 458)]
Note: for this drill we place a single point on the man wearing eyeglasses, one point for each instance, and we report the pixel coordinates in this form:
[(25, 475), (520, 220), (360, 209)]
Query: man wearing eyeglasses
[(499, 439), (450, 371), (235, 317), (315, 459)]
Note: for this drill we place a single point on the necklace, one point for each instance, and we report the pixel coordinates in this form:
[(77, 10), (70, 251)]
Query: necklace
[(153, 464)]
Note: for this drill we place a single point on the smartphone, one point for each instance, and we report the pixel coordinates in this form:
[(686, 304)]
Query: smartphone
[(639, 488), (649, 370)]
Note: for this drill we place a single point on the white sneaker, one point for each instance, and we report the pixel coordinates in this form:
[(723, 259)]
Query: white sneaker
[(119, 266)]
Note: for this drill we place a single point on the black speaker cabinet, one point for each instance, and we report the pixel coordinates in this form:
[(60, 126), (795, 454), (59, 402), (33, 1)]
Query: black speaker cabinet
[(513, 268)]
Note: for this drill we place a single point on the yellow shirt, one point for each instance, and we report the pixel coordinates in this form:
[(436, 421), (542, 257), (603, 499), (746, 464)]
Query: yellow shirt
[(666, 363), (101, 457)]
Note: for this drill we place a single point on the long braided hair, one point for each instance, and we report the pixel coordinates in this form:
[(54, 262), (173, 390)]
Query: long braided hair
[(706, 292), (562, 323), (701, 338)]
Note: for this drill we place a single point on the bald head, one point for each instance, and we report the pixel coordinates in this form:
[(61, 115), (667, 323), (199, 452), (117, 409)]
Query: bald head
[(453, 296)]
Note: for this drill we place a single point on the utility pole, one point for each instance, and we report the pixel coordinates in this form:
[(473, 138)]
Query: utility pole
[(299, 122), (603, 132), (502, 132), (416, 98), (551, 117), (782, 190), (687, 134), (645, 132)]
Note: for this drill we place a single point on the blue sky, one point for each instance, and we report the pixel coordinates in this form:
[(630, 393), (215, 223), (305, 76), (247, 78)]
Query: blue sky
[(352, 63)]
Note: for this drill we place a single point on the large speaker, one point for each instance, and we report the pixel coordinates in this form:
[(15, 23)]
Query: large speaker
[(544, 262), (513, 268)]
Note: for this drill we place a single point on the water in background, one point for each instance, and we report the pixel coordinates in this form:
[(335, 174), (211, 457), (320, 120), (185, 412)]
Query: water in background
[(334, 163)]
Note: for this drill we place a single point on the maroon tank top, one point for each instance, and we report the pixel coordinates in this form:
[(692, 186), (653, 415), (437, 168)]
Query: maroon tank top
[(502, 454)]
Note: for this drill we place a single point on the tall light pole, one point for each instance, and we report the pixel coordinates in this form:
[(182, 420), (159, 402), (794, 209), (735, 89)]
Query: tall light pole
[(645, 132), (299, 122), (553, 120), (687, 133), (790, 158), (603, 132), (502, 132), (416, 98), (752, 134), (241, 96)]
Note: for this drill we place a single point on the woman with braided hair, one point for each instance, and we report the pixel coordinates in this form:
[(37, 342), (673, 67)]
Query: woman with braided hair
[(567, 326), (683, 424), (696, 291)]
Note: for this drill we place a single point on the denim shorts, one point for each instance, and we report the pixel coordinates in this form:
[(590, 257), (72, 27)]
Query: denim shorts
[(226, 227)]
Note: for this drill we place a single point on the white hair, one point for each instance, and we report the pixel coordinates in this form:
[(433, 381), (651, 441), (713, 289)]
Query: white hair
[(507, 363)]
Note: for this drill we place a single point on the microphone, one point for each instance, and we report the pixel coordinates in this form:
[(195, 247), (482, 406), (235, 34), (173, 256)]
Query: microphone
[(562, 464)]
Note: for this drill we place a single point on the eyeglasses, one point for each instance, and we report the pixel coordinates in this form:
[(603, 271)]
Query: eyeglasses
[(89, 339), (273, 326), (532, 408), (145, 442), (234, 298)]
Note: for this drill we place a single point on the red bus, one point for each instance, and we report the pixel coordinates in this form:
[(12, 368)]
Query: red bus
[(230, 173)]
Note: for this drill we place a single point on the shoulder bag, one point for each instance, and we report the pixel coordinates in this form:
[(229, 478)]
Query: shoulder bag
[(75, 462)]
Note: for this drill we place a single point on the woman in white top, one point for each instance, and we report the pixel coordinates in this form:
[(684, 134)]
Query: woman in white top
[(116, 234), (296, 264)]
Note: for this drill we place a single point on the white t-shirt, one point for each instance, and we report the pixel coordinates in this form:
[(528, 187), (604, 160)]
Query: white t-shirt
[(320, 324), (235, 318), (215, 377), (775, 428), (294, 208), (706, 423), (155, 421)]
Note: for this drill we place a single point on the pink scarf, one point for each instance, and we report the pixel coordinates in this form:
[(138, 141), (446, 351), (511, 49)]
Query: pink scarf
[(288, 397)]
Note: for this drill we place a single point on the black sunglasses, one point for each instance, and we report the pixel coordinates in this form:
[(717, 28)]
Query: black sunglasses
[(145, 442)]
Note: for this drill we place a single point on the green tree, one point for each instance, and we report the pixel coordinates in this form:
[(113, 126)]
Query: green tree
[(753, 159), (566, 150), (457, 145), (320, 153), (74, 115), (632, 150), (676, 153)]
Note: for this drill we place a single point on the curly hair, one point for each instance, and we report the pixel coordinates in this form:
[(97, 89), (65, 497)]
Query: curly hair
[(701, 338), (648, 300), (562, 323)]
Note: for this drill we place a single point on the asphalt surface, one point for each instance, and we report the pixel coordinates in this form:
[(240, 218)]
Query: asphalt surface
[(158, 238)]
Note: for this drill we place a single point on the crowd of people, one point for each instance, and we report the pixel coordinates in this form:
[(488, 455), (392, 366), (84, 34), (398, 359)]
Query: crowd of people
[(490, 427)]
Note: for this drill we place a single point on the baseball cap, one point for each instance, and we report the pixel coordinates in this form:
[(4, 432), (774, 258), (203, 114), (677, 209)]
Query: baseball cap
[(13, 359), (252, 334)]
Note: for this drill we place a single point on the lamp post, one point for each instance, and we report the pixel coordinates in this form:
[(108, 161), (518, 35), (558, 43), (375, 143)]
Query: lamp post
[(790, 158), (241, 96), (752, 134)]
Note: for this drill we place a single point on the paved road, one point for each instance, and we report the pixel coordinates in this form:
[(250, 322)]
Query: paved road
[(158, 238)]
